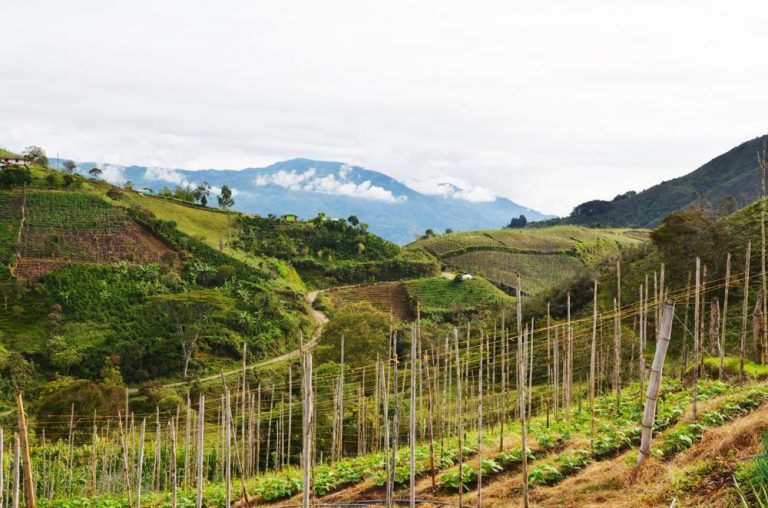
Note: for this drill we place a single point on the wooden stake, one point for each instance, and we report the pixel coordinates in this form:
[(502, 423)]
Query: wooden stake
[(725, 312), (521, 385), (745, 304), (16, 469), (258, 426), (29, 484), (696, 318), (480, 424), (459, 415), (172, 431), (761, 159), (307, 420), (654, 382), (592, 366), (126, 467), (412, 420), (429, 420), (227, 448), (156, 463), (200, 445), (2, 466), (140, 465)]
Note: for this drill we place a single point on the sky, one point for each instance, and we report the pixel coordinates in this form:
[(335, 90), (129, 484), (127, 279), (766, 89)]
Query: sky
[(548, 103)]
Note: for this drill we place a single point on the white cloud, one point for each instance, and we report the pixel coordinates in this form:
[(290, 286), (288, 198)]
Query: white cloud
[(453, 188), (112, 173), (335, 183), (547, 103), (167, 175)]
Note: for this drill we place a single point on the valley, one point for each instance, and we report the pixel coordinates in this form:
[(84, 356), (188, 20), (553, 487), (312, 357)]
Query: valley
[(168, 353)]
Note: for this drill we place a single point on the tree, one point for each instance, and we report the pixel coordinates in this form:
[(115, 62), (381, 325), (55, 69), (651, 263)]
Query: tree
[(36, 155), (591, 209), (63, 356), (353, 220), (518, 223), (448, 231), (365, 330), (184, 193), (95, 172), (692, 232), (225, 198), (189, 314), (202, 192), (70, 166), (15, 176)]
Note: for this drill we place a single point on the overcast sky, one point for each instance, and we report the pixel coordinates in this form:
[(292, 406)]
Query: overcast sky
[(547, 103)]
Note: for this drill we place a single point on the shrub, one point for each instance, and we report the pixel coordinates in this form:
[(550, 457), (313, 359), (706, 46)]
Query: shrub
[(115, 193)]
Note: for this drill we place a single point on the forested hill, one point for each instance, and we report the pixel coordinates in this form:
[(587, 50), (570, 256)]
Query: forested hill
[(732, 174)]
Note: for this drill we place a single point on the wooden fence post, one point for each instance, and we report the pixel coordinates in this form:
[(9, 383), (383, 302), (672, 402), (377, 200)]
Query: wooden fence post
[(592, 366), (306, 458), (744, 310), (172, 430), (412, 421), (140, 464), (29, 484), (521, 387), (16, 469), (725, 312), (2, 467), (200, 444), (654, 381), (696, 337)]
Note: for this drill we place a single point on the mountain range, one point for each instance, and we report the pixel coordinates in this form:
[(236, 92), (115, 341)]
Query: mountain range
[(734, 174), (306, 187)]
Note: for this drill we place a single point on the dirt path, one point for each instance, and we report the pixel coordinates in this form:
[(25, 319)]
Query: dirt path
[(320, 320)]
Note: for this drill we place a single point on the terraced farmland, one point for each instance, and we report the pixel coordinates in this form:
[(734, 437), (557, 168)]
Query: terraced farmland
[(62, 227), (10, 217), (544, 257), (537, 270), (387, 296), (441, 295)]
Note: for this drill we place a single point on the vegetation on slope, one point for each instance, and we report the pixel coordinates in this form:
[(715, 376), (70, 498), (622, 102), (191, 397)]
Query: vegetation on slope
[(330, 251), (545, 257), (732, 176), (438, 295), (102, 268)]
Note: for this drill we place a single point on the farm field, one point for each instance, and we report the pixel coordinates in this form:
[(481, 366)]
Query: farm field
[(10, 218), (539, 271), (386, 296), (209, 225), (545, 257), (441, 295), (62, 227), (113, 286)]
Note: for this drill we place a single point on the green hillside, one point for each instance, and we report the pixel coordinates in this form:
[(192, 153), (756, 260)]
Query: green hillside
[(439, 295), (544, 257), (733, 174)]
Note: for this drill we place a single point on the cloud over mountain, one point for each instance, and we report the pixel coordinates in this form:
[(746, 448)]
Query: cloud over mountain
[(336, 184)]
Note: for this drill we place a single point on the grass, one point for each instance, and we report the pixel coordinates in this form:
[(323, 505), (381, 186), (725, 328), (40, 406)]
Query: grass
[(208, 225), (438, 294), (10, 217), (731, 368), (545, 257), (538, 271)]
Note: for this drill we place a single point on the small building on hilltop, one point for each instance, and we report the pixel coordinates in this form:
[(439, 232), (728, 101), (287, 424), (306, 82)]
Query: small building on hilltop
[(13, 161)]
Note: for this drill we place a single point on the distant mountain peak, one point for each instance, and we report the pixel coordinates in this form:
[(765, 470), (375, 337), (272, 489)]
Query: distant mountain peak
[(393, 209)]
